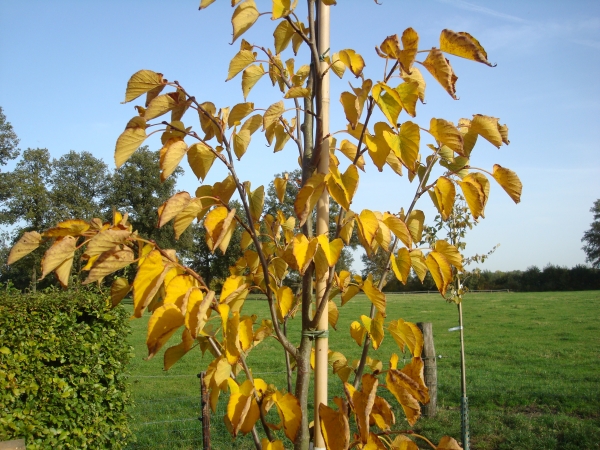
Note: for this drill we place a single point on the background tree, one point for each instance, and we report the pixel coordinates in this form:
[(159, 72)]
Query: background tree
[(80, 185), (592, 238), (8, 140)]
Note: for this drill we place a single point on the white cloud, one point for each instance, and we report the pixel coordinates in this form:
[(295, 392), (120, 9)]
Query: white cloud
[(521, 34), (483, 10)]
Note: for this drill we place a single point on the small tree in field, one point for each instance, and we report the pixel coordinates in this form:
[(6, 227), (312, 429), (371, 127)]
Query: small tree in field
[(278, 244)]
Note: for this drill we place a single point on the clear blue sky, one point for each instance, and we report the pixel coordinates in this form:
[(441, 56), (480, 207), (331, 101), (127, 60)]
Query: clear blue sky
[(64, 66)]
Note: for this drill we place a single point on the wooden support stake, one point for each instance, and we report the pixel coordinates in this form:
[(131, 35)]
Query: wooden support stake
[(430, 368), (205, 403)]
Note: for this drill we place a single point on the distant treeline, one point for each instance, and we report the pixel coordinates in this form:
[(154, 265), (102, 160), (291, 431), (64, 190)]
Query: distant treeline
[(551, 278)]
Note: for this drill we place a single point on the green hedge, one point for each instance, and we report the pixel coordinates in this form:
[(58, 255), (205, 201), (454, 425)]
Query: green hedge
[(63, 380)]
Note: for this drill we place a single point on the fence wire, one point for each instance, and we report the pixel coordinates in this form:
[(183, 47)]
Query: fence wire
[(173, 423)]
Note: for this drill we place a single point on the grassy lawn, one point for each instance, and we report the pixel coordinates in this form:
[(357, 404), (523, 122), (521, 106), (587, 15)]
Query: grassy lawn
[(533, 363)]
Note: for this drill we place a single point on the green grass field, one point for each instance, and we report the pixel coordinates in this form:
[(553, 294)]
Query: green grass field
[(533, 373)]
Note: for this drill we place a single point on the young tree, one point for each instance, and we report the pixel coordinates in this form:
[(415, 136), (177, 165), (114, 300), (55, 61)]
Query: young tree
[(275, 244), (592, 238)]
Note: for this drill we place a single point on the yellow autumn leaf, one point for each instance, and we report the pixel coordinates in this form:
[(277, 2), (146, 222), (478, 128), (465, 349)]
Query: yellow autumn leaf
[(447, 134), (73, 227), (443, 196), (290, 413), (297, 92), (200, 158), (251, 76), (332, 250), (375, 328), (108, 263), (308, 196), (280, 185), (243, 18), (232, 342), (217, 223), (147, 281), (414, 223), (176, 352), (374, 294), (377, 145), (390, 47), (257, 200), (416, 386), (177, 289), (283, 36), (367, 228), (396, 383), (401, 264), (410, 44), (418, 264), (197, 311), (399, 228), (407, 334), (488, 128), (174, 151), (417, 77), (440, 270), (382, 414), (448, 443), (374, 443), (106, 240), (161, 326), (358, 331), (130, 140), (464, 45), (282, 8), (118, 290), (337, 66), (408, 93), (304, 251), (186, 216), (352, 60), (441, 70), (142, 82), (334, 428), (268, 445), (63, 271), (272, 114), (26, 244), (169, 209), (476, 188), (450, 252), (205, 3), (402, 442), (240, 61), (388, 101), (285, 301), (281, 136), (509, 181), (349, 150), (238, 112), (160, 105), (223, 189)]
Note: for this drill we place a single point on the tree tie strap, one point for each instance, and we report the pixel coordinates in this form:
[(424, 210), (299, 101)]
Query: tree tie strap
[(315, 334)]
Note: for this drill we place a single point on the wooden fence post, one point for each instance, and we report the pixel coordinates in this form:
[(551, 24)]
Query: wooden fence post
[(430, 368), (205, 404)]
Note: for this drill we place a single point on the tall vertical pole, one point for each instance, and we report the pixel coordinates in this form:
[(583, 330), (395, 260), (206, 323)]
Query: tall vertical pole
[(464, 402), (322, 343)]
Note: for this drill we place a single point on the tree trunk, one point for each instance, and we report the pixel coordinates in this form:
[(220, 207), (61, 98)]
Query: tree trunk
[(430, 368)]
